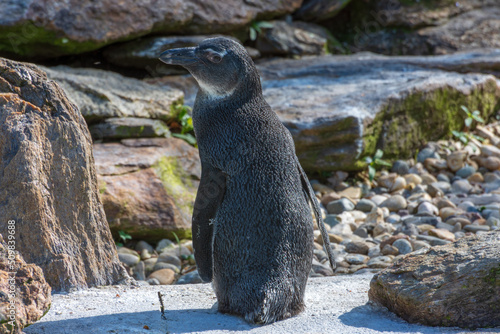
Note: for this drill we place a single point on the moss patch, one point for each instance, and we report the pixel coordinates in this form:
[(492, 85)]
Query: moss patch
[(404, 125)]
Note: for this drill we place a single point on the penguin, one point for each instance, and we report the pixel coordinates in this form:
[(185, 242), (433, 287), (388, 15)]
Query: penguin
[(252, 224)]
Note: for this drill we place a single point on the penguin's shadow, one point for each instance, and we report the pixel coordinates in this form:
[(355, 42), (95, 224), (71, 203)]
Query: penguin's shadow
[(151, 322)]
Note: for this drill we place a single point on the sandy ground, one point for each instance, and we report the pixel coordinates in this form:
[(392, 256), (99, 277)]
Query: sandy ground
[(334, 305)]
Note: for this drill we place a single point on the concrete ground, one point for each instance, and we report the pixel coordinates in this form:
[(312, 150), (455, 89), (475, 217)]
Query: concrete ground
[(334, 305)]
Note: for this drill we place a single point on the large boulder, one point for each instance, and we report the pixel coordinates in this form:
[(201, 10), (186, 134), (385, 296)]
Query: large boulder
[(103, 94), (342, 108), (148, 186), (415, 28), (453, 285), (320, 10), (24, 293), (48, 184), (46, 28)]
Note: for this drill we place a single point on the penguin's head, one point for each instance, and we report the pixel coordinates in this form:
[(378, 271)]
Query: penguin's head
[(220, 65)]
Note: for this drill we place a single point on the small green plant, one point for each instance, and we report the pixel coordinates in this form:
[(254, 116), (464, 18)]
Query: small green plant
[(186, 122), (256, 28), (124, 236), (465, 136), (376, 163)]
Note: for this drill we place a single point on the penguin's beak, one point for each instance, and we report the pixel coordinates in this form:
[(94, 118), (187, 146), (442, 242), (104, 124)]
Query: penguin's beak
[(181, 56)]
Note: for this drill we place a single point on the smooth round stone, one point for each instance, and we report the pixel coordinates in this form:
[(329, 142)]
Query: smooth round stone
[(329, 197), (447, 212), (164, 276), (461, 187), (445, 226), (400, 167), (442, 234), (365, 205), (419, 244), (390, 250), (380, 262), (476, 178), (413, 178), (443, 178), (383, 228), (427, 153), (145, 254), (356, 259), (409, 229), (393, 219), (491, 163), (361, 232), (164, 244), (458, 220), (177, 251), (339, 206), (143, 245), (465, 172), (392, 182), (341, 229), (378, 199), (190, 278), (359, 216), (374, 251), (129, 259), (428, 178), (125, 250), (445, 187), (169, 258), (162, 265), (465, 205), (331, 220), (153, 281), (476, 228), (351, 193), (491, 177), (403, 246), (456, 160), (139, 272), (445, 203), (493, 222), (357, 247), (427, 208), (395, 203)]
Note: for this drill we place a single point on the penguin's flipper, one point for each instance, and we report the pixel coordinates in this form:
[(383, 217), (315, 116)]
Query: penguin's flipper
[(208, 199), (317, 212)]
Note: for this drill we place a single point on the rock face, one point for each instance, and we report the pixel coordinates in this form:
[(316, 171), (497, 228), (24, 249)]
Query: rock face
[(412, 28), (49, 28), (129, 127), (148, 186), (48, 184), (30, 296), (103, 94), (341, 108), (453, 285), (320, 10)]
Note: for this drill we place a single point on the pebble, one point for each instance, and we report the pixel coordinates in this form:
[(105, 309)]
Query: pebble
[(382, 228), (442, 234), (357, 247), (390, 250), (169, 258), (476, 178), (419, 244), (427, 153), (395, 203), (403, 246), (330, 197), (190, 278), (400, 167), (351, 193), (427, 208), (361, 232), (331, 220), (433, 241), (153, 281), (164, 244), (339, 206), (378, 199), (143, 245), (380, 262), (455, 161), (461, 187), (129, 259), (413, 179), (145, 254), (164, 276), (365, 205), (139, 271), (356, 259), (163, 265), (466, 172), (476, 228)]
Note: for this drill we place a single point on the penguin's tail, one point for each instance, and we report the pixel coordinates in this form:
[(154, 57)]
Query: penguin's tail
[(317, 212)]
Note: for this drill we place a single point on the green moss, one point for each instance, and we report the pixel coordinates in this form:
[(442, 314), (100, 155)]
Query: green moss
[(176, 182), (405, 125), (493, 276)]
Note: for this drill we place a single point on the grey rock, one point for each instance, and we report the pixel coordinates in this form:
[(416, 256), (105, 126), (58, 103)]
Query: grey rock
[(356, 259), (433, 241), (461, 187), (421, 220), (445, 187), (168, 258), (400, 167), (393, 219), (129, 259), (374, 251), (477, 228), (331, 220), (322, 269), (164, 244), (153, 281), (361, 232), (329, 130), (129, 127), (443, 178), (107, 22), (493, 222), (339, 206), (102, 94), (320, 10), (403, 246), (419, 244), (389, 250), (427, 153), (380, 262), (140, 271), (427, 208), (394, 203), (357, 247), (465, 172), (445, 226), (176, 251), (292, 39), (163, 265), (143, 245), (428, 287), (190, 278), (365, 205)]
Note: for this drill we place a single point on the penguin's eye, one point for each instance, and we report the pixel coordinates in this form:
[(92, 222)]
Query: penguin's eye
[(214, 57)]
